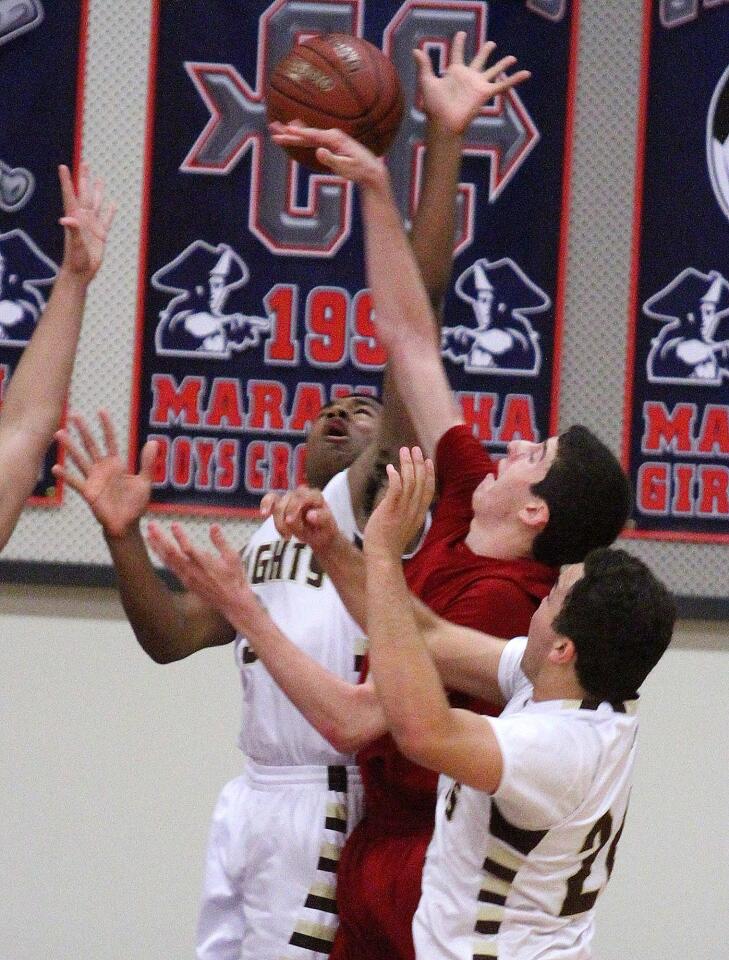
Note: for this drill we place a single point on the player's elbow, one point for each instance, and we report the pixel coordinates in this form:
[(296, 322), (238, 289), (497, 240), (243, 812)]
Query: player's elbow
[(159, 649), (419, 741), (359, 721), (160, 655)]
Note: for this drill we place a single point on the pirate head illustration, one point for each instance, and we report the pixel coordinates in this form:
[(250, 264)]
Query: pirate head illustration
[(501, 338), (18, 16), (23, 269), (717, 142), (690, 348), (199, 320)]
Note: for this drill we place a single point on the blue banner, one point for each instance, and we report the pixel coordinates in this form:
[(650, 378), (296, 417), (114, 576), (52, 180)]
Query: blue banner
[(253, 304), (42, 50), (676, 444)]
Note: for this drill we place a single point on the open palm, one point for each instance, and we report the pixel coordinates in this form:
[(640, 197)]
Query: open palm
[(217, 578), (86, 222), (116, 497), (454, 99)]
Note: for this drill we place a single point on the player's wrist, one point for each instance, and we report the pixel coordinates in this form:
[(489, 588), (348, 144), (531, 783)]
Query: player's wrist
[(72, 278), (377, 183), (244, 611), (117, 533), (440, 131), (380, 556), (329, 551)]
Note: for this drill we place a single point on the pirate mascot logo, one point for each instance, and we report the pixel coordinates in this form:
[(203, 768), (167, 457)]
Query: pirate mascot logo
[(690, 349), (501, 338), (198, 321)]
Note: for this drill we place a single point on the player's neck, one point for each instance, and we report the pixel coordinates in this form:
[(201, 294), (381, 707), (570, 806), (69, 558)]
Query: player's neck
[(557, 683), (502, 539)]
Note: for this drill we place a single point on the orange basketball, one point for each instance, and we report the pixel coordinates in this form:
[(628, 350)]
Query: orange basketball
[(336, 80)]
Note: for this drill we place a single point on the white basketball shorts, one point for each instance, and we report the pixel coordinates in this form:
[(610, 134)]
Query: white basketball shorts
[(269, 890)]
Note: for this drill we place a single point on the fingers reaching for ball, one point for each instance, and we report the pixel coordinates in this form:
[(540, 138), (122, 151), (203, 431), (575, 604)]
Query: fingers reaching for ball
[(335, 150)]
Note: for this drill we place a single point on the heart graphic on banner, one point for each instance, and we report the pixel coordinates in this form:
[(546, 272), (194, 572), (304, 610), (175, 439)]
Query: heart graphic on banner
[(16, 187)]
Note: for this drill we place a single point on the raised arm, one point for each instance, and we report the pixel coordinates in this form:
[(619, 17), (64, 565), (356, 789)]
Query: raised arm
[(403, 313), (34, 400), (169, 626), (425, 727), (348, 715), (450, 102)]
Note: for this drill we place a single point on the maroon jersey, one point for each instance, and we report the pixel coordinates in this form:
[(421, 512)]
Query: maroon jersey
[(380, 870)]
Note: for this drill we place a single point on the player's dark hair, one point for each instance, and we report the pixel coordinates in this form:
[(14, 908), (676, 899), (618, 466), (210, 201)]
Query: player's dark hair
[(588, 496), (620, 618)]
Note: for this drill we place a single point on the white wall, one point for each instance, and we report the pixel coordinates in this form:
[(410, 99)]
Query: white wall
[(111, 765)]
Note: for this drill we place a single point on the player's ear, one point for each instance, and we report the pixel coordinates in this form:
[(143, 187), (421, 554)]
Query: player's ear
[(535, 514), (563, 651)]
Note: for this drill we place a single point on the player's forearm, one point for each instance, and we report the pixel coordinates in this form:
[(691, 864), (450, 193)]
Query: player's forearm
[(434, 223), (344, 565), (405, 320), (407, 682), (33, 403), (467, 660), (34, 399), (402, 307), (162, 623), (345, 714), (431, 239)]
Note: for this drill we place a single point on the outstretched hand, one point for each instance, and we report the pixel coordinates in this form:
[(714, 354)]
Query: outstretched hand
[(336, 150), (454, 99), (304, 514), (399, 517), (116, 497), (86, 223), (217, 578)]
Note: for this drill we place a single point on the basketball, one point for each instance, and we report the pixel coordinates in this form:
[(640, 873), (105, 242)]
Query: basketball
[(337, 80)]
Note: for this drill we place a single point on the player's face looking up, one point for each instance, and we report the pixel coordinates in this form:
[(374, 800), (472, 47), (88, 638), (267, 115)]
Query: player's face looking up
[(505, 493), (339, 434), (541, 630)]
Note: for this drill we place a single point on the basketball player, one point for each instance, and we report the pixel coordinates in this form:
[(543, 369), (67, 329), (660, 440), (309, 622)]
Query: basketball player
[(277, 830), (32, 403), (532, 804)]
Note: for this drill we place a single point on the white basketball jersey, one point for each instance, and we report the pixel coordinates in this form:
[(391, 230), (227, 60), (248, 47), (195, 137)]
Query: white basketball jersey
[(516, 875), (305, 606)]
